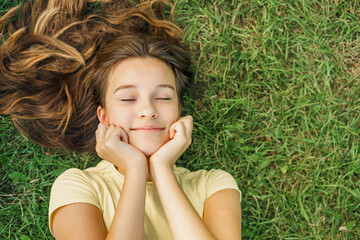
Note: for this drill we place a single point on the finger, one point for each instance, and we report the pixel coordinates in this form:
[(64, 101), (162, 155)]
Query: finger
[(188, 125), (100, 132), (172, 130), (117, 134), (108, 132), (123, 135), (188, 118), (179, 130)]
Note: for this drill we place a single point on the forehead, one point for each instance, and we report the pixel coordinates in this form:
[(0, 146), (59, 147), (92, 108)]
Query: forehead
[(143, 72)]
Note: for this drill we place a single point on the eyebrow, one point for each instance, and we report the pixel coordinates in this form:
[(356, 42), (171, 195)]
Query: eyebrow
[(124, 87), (134, 86)]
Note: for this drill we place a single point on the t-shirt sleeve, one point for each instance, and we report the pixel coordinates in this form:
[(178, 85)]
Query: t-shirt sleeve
[(217, 180), (72, 186)]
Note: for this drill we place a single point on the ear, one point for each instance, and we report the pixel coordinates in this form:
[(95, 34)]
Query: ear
[(102, 115)]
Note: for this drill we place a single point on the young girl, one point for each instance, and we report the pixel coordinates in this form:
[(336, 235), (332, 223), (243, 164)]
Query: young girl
[(135, 82)]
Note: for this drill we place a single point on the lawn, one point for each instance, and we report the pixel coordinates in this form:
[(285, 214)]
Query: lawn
[(276, 103)]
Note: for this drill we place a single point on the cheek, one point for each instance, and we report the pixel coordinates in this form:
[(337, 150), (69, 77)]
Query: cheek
[(121, 116), (171, 115)]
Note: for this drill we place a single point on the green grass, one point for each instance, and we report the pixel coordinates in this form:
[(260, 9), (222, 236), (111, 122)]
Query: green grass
[(276, 103)]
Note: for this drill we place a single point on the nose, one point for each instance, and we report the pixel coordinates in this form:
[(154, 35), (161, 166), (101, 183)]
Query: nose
[(147, 110)]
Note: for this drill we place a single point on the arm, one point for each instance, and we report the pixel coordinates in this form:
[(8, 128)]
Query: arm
[(222, 214), (221, 211), (128, 222), (184, 221), (78, 221), (84, 221), (112, 145)]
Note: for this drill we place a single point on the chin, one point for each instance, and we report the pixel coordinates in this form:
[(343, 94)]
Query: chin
[(148, 146), (149, 150)]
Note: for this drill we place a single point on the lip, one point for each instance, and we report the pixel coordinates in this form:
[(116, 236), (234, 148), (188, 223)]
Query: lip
[(148, 129)]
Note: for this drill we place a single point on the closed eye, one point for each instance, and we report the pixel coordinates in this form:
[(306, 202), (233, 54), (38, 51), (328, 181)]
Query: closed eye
[(128, 100), (162, 98)]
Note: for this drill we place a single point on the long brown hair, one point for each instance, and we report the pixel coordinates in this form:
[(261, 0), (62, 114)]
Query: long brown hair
[(48, 57)]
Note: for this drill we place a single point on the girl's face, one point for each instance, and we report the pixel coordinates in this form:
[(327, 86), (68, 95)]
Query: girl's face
[(141, 98)]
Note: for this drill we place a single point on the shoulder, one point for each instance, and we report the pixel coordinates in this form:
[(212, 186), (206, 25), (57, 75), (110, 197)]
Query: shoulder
[(75, 185), (87, 175), (88, 187), (211, 181), (212, 175), (77, 176), (71, 186), (71, 174)]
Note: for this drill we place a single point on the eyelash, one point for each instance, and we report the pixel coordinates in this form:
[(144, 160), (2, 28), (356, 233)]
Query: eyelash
[(133, 99), (166, 99)]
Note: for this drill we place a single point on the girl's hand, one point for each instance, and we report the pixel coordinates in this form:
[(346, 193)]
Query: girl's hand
[(112, 145), (180, 139)]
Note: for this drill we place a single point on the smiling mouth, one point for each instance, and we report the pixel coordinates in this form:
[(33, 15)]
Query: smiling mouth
[(148, 129)]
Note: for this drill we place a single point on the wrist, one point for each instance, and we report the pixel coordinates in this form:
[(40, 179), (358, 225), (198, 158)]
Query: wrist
[(159, 170), (139, 175), (139, 170), (159, 165), (161, 161)]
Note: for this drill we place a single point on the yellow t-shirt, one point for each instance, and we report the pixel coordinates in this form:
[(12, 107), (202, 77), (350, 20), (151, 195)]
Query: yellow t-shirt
[(101, 186)]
